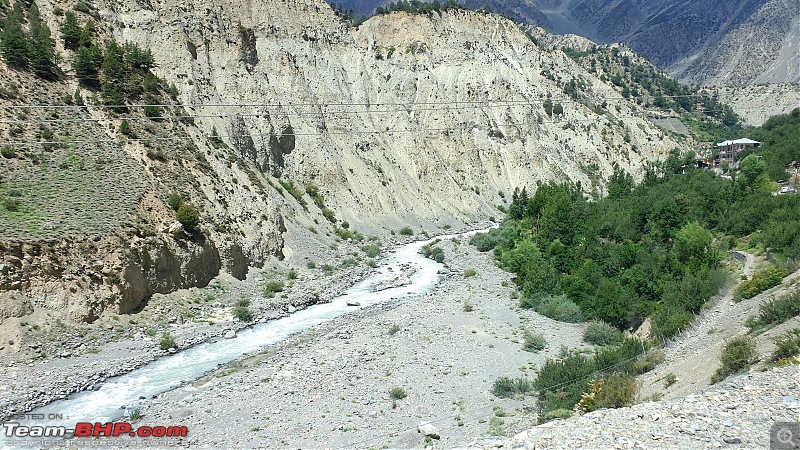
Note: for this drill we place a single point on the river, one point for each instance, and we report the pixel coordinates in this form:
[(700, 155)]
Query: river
[(118, 394)]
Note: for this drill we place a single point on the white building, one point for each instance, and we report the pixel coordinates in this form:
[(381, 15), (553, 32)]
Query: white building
[(727, 150)]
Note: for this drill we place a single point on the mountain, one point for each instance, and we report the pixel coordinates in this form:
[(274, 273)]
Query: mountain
[(705, 42), (409, 119)]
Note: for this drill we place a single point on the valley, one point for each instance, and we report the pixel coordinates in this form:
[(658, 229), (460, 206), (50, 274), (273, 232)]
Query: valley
[(190, 182)]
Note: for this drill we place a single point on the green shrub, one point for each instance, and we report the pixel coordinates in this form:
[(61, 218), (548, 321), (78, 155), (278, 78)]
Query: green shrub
[(188, 216), (394, 329), (167, 342), (470, 273), (292, 275), (311, 265), (327, 269), (761, 281), (670, 379), (737, 356), (562, 413), (533, 342), (371, 250), (242, 313), (295, 192), (8, 152), (12, 204), (272, 287), (406, 231), (617, 392), (776, 311), (175, 200), (649, 362), (786, 346), (505, 387), (434, 253), (125, 128), (560, 308), (397, 393), (601, 333), (82, 7)]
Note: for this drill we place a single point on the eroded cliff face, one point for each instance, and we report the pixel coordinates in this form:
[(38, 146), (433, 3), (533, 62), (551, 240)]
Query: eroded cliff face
[(408, 119)]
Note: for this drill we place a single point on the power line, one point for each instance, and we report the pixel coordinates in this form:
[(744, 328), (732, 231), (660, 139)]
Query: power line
[(318, 104)]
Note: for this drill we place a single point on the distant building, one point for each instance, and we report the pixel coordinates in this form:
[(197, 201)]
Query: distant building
[(727, 150)]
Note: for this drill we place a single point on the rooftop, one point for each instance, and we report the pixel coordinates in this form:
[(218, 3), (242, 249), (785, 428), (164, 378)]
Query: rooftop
[(737, 141)]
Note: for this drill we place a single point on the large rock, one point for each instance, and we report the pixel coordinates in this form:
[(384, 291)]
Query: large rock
[(428, 430)]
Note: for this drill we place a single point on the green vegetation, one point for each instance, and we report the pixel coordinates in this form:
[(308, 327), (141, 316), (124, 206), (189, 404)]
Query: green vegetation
[(505, 387), (397, 393), (417, 6), (394, 329), (242, 313), (188, 216), (8, 152), (645, 250), (175, 200), (430, 251), (761, 281), (786, 346), (167, 342), (601, 333), (737, 356), (775, 312), (294, 191), (562, 382), (616, 391), (468, 273), (533, 342), (30, 49), (371, 250), (272, 287), (406, 231)]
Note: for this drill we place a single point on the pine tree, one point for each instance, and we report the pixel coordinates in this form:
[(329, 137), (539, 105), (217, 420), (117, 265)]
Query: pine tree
[(41, 54), (70, 31), (13, 43), (87, 66), (86, 34)]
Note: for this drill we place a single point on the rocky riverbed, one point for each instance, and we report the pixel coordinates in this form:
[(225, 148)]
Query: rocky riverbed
[(375, 377)]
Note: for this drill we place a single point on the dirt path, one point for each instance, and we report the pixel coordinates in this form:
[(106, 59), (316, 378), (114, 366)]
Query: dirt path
[(694, 355)]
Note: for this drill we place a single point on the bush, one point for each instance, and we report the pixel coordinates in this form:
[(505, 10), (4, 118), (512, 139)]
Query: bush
[(505, 387), (649, 362), (272, 287), (601, 333), (786, 345), (617, 392), (670, 379), (562, 413), (470, 273), (394, 329), (406, 231), (533, 342), (737, 356), (560, 308), (8, 152), (761, 281), (371, 250), (242, 313), (11, 204), (175, 200), (292, 275), (434, 253), (776, 311), (397, 393), (167, 342), (188, 216)]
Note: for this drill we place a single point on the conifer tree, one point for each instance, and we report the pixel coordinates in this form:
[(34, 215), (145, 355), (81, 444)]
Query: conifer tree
[(13, 42), (70, 31), (40, 53)]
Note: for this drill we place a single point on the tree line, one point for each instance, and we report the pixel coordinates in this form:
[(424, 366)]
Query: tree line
[(646, 250)]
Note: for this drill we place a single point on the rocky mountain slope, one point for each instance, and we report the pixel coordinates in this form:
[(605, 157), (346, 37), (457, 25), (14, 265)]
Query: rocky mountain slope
[(709, 42), (418, 120), (706, 42)]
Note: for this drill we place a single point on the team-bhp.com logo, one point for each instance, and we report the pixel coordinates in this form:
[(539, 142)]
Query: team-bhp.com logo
[(87, 429)]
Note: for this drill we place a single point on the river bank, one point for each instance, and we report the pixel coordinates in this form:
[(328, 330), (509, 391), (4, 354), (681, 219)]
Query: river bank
[(330, 386)]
